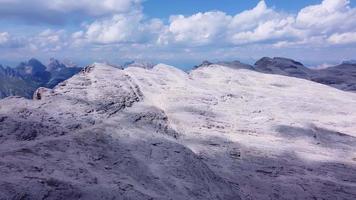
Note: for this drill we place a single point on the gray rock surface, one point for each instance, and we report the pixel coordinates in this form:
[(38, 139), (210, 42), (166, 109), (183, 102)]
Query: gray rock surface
[(140, 64), (341, 76), (85, 139), (234, 64), (161, 133), (283, 66)]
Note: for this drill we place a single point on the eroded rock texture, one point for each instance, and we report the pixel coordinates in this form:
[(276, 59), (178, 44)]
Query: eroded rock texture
[(218, 132)]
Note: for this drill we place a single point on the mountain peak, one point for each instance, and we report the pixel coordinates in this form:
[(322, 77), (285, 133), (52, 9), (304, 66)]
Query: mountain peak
[(205, 63), (31, 67), (236, 65), (55, 65), (277, 60), (35, 63), (140, 64), (287, 60), (232, 64), (34, 60), (282, 66)]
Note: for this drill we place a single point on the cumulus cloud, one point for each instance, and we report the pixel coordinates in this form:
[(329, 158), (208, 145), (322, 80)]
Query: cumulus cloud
[(330, 22), (330, 15), (343, 38), (198, 29), (8, 41), (51, 40), (312, 25), (121, 24), (128, 28), (250, 19), (258, 24), (48, 40), (4, 37)]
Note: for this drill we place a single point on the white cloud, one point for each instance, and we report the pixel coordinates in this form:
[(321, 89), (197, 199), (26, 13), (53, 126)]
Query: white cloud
[(9, 41), (128, 28), (314, 41), (330, 22), (116, 25), (49, 40), (278, 28), (343, 38), (262, 24), (250, 19), (119, 28), (217, 28), (199, 29), (4, 37), (312, 25), (329, 16)]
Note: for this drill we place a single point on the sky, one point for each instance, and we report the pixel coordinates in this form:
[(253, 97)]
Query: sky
[(177, 32)]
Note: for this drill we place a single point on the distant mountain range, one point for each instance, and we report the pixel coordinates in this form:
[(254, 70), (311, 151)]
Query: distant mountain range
[(342, 76), (24, 79)]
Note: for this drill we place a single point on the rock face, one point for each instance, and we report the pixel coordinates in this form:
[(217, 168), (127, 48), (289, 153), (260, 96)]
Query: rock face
[(144, 65), (283, 66), (28, 76), (342, 76), (13, 83), (234, 64), (161, 133), (59, 72)]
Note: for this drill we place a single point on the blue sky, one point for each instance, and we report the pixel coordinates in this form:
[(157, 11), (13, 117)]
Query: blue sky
[(164, 8), (177, 32)]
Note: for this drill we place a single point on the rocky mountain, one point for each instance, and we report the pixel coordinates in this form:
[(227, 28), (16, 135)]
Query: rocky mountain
[(59, 72), (140, 64), (161, 133), (342, 76), (283, 66), (234, 64), (55, 65), (12, 83), (24, 79), (34, 71)]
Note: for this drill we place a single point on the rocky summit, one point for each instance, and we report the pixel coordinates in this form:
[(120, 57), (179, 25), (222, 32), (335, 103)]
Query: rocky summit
[(217, 132)]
